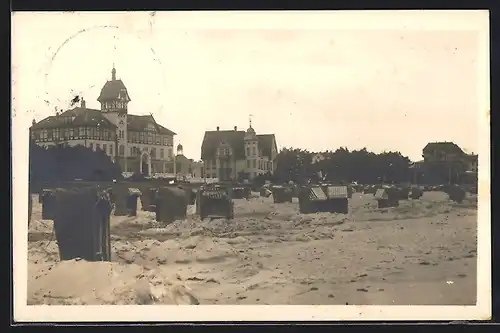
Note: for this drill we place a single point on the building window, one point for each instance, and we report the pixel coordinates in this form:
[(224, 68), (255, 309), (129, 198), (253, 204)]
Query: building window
[(254, 151), (97, 146), (132, 151), (153, 152), (141, 137), (165, 142), (150, 138), (248, 164), (254, 163), (104, 148), (157, 139), (248, 151), (162, 153), (111, 150), (121, 152)]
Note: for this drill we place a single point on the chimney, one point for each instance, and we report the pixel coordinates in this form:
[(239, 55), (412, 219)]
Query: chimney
[(83, 104), (33, 122), (235, 128), (217, 128), (57, 114)]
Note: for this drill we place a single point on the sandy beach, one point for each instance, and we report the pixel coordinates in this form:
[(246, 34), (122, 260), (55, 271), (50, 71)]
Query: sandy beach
[(420, 253)]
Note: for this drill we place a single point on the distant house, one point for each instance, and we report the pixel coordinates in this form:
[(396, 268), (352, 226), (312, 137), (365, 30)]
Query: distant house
[(443, 162), (442, 151), (226, 154), (449, 152)]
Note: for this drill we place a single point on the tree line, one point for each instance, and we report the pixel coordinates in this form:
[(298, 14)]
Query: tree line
[(341, 165), (362, 166)]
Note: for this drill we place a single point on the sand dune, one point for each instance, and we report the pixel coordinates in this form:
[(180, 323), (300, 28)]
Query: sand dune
[(422, 252)]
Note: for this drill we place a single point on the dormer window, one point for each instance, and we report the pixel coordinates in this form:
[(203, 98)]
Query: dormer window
[(151, 127), (224, 149)]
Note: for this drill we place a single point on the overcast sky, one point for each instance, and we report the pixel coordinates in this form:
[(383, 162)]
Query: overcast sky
[(386, 81)]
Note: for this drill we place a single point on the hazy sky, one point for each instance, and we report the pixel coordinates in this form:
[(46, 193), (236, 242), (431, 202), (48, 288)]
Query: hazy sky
[(330, 81)]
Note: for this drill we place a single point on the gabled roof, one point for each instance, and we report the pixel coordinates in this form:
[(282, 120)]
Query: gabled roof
[(236, 139), (113, 90), (140, 123), (447, 147), (266, 142), (90, 117), (75, 117), (212, 140)]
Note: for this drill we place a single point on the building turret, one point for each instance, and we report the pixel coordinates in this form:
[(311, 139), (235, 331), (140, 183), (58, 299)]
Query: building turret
[(180, 149), (114, 96), (250, 133)]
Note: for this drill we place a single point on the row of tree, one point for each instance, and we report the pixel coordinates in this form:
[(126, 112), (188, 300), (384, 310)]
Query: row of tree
[(341, 165), (362, 166), (62, 163)]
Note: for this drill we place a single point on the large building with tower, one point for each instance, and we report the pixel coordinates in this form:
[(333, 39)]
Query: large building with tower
[(233, 154), (136, 142)]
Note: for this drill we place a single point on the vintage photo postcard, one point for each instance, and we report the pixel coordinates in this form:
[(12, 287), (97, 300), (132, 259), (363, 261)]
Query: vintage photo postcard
[(259, 165)]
